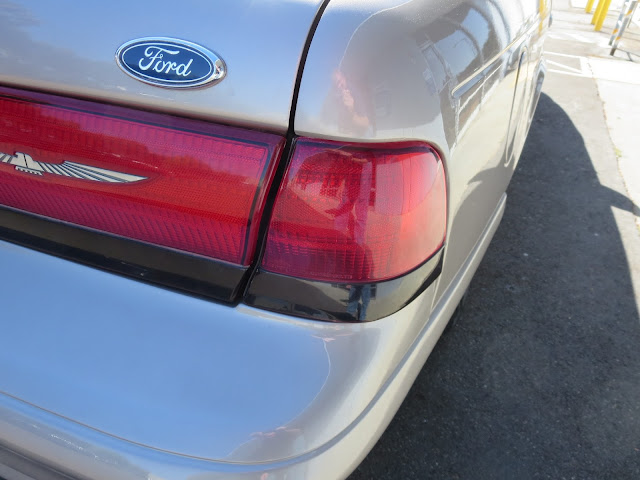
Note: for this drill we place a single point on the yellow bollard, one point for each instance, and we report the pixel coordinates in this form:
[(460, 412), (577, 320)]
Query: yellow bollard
[(603, 15), (543, 8), (598, 10), (589, 6)]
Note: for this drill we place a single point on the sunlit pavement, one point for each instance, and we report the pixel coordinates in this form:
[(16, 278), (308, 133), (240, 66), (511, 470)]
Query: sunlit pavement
[(540, 377), (617, 77)]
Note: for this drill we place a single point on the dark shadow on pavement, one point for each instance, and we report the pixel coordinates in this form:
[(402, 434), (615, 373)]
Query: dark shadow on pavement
[(540, 378)]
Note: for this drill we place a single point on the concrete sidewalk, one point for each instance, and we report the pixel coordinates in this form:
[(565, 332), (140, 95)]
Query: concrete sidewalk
[(581, 51)]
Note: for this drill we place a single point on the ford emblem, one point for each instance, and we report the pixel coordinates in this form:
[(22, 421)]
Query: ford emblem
[(169, 62)]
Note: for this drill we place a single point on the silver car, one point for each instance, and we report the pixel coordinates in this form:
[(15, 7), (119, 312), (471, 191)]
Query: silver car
[(231, 232)]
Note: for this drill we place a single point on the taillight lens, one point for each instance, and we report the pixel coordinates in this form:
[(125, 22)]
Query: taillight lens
[(178, 183), (348, 213)]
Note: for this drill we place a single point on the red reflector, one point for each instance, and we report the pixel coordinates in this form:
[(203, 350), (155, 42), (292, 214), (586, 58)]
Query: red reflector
[(178, 183), (357, 213)]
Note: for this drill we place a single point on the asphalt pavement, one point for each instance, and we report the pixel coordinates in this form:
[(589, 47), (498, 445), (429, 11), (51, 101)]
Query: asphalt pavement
[(540, 377)]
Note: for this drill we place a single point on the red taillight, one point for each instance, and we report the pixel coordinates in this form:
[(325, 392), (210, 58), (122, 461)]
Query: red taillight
[(349, 213), (177, 183)]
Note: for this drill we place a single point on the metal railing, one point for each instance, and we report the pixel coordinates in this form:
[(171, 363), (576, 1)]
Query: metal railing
[(626, 14)]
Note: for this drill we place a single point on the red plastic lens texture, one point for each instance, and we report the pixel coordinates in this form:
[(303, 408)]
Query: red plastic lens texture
[(177, 183), (357, 213)]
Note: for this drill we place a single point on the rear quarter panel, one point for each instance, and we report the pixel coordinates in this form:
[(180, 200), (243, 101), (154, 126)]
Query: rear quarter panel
[(444, 72)]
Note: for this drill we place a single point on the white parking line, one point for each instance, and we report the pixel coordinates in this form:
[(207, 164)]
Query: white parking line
[(583, 70)]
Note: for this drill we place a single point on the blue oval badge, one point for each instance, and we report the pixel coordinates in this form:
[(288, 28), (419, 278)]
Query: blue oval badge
[(169, 62)]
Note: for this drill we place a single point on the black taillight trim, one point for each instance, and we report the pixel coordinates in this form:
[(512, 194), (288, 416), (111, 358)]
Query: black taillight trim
[(330, 301), (160, 266)]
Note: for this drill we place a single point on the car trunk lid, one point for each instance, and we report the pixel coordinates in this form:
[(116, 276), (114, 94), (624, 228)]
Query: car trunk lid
[(124, 164)]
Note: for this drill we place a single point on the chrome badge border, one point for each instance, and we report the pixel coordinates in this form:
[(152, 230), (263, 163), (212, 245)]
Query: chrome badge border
[(217, 72)]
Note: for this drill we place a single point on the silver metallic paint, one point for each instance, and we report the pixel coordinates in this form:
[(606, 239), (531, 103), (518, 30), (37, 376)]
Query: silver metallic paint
[(453, 85), (217, 389), (68, 47), (352, 386), (202, 379)]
